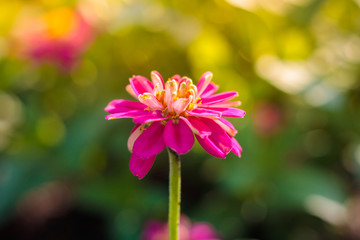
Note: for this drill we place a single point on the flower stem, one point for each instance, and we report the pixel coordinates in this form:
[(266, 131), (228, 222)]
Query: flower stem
[(174, 194)]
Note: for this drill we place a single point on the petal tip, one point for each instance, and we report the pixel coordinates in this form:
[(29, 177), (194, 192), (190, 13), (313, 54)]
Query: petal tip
[(140, 166), (237, 153), (155, 73), (208, 76), (139, 177)]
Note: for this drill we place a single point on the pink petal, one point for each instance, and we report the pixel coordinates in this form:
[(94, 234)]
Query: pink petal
[(178, 136), (130, 90), (210, 147), (181, 104), (171, 88), (204, 112), (219, 143), (197, 126), (129, 114), (151, 101), (135, 133), (153, 229), (223, 104), (236, 148), (185, 80), (176, 77), (147, 117), (156, 78), (220, 97), (141, 85), (230, 112), (150, 142), (204, 81), (184, 228), (210, 90), (121, 105), (140, 166), (226, 125), (202, 231)]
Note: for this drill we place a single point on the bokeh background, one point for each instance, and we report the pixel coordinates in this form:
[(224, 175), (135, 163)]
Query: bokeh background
[(295, 63)]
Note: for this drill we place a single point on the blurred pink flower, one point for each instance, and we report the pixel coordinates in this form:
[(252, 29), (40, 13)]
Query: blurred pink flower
[(198, 231), (169, 114), (58, 37), (274, 116)]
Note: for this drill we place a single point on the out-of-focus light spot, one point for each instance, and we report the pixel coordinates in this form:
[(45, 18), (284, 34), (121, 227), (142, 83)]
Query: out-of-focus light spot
[(10, 108), (128, 1), (358, 2), (156, 18), (268, 118), (317, 143), (10, 117), (318, 62), (209, 50), (249, 5), (4, 128), (275, 6), (352, 49), (50, 130), (353, 222), (295, 44), (298, 78), (100, 13), (357, 154), (342, 79), (44, 202), (185, 30), (320, 95), (290, 77), (326, 209), (299, 2), (59, 22)]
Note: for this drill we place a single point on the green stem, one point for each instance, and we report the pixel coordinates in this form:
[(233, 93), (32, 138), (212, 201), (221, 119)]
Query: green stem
[(174, 194)]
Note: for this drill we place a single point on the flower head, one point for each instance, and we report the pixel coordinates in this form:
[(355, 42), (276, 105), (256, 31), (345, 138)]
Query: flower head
[(155, 230), (170, 114)]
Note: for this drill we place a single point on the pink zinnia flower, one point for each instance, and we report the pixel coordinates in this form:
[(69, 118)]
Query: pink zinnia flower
[(169, 114), (155, 230), (58, 37)]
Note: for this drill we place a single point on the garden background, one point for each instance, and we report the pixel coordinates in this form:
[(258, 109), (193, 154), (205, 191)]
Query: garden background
[(295, 63)]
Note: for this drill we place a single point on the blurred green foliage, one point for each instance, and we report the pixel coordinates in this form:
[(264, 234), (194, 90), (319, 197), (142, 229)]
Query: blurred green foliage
[(295, 64)]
